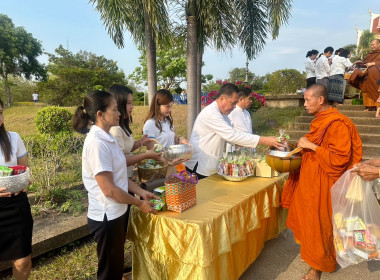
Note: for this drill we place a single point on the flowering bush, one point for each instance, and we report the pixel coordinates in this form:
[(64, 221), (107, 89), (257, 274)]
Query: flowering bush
[(258, 100)]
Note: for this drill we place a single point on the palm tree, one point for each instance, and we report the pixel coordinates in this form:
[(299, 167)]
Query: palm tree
[(208, 23), (217, 23), (146, 20)]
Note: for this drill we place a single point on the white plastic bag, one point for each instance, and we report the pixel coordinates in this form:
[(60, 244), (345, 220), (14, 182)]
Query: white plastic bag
[(356, 220)]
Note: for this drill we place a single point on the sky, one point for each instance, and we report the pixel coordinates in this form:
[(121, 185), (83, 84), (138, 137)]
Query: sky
[(313, 25)]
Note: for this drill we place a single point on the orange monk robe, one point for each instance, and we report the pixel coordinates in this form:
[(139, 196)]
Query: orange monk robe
[(366, 82), (307, 192)]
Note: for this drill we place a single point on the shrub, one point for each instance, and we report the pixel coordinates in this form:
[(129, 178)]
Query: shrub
[(51, 158), (53, 120), (258, 100)]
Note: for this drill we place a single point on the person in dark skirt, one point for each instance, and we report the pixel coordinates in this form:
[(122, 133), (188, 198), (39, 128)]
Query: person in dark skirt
[(16, 222), (105, 177), (337, 84)]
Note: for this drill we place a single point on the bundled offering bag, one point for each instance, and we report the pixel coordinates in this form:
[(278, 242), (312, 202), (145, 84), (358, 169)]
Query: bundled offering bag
[(181, 191), (356, 220)]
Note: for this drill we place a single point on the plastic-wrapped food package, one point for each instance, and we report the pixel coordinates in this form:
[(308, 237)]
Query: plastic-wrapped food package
[(356, 219)]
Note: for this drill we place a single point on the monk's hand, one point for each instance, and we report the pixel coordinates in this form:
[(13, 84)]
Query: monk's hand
[(368, 172), (305, 143), (369, 64)]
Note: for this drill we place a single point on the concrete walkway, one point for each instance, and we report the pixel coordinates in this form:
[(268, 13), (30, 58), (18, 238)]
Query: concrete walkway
[(281, 260)]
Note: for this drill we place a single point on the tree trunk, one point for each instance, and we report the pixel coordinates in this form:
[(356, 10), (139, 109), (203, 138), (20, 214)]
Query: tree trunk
[(191, 68), (150, 43), (199, 79), (7, 90)]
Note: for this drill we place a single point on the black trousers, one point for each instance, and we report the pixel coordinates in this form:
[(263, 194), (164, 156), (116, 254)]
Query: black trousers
[(310, 81), (195, 171), (110, 238)]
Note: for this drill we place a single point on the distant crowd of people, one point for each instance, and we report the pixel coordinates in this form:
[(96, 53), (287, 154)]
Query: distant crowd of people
[(329, 67)]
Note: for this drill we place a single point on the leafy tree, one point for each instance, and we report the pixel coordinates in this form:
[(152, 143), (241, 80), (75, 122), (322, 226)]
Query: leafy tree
[(364, 45), (147, 21), (171, 66), (351, 48), (238, 74), (286, 81), (71, 76), (219, 23), (21, 89), (18, 54), (260, 83)]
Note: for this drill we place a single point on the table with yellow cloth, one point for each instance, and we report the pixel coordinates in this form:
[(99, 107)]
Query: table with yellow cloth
[(218, 238)]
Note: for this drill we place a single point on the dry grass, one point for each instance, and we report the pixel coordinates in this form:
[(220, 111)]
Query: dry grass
[(20, 119)]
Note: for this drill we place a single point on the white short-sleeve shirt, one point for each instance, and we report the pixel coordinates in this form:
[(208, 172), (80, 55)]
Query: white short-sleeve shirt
[(18, 150), (101, 153), (339, 65), (166, 137), (124, 142)]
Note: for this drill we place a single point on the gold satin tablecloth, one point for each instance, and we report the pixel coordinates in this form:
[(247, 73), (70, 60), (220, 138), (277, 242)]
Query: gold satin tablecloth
[(218, 238)]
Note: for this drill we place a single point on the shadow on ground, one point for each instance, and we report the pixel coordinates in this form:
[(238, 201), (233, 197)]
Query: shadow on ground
[(281, 260)]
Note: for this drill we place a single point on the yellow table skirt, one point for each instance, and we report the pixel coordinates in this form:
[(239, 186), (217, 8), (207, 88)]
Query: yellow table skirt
[(216, 239)]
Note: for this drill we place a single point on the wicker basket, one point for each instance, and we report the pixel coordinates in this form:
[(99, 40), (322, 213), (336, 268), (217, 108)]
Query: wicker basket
[(16, 183), (181, 192), (147, 174)]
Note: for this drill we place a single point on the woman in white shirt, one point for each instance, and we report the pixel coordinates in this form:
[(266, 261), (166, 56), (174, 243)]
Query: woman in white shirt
[(123, 132), (337, 83), (16, 222), (310, 67), (159, 123), (104, 174)]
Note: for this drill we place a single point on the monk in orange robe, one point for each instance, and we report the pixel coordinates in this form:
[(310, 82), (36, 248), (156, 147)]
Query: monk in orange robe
[(331, 147), (366, 81)]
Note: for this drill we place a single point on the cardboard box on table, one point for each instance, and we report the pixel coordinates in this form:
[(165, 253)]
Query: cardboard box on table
[(263, 169)]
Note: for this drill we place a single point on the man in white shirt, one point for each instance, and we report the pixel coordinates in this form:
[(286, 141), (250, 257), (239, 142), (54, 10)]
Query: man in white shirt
[(213, 128), (240, 118), (322, 67)]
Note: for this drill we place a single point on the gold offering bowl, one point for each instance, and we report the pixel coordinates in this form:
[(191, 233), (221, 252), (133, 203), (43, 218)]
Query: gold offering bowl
[(277, 161)]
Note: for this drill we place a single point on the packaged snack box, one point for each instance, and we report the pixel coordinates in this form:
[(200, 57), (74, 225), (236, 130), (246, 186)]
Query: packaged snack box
[(160, 204)]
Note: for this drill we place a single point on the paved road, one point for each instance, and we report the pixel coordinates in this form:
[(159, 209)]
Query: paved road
[(281, 260)]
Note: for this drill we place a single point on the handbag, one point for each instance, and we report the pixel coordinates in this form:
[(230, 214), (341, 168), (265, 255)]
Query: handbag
[(181, 191)]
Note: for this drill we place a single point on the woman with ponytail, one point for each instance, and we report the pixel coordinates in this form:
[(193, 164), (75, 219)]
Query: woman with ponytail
[(310, 67), (105, 177), (123, 132), (16, 222)]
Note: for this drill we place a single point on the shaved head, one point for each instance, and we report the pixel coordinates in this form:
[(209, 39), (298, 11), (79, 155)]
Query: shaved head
[(319, 90)]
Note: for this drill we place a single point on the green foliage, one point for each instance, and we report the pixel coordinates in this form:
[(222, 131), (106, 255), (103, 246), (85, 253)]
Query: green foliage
[(53, 120), (43, 143), (239, 74), (171, 66), (364, 45), (286, 81), (55, 163), (73, 75), (260, 83), (18, 54), (20, 88)]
